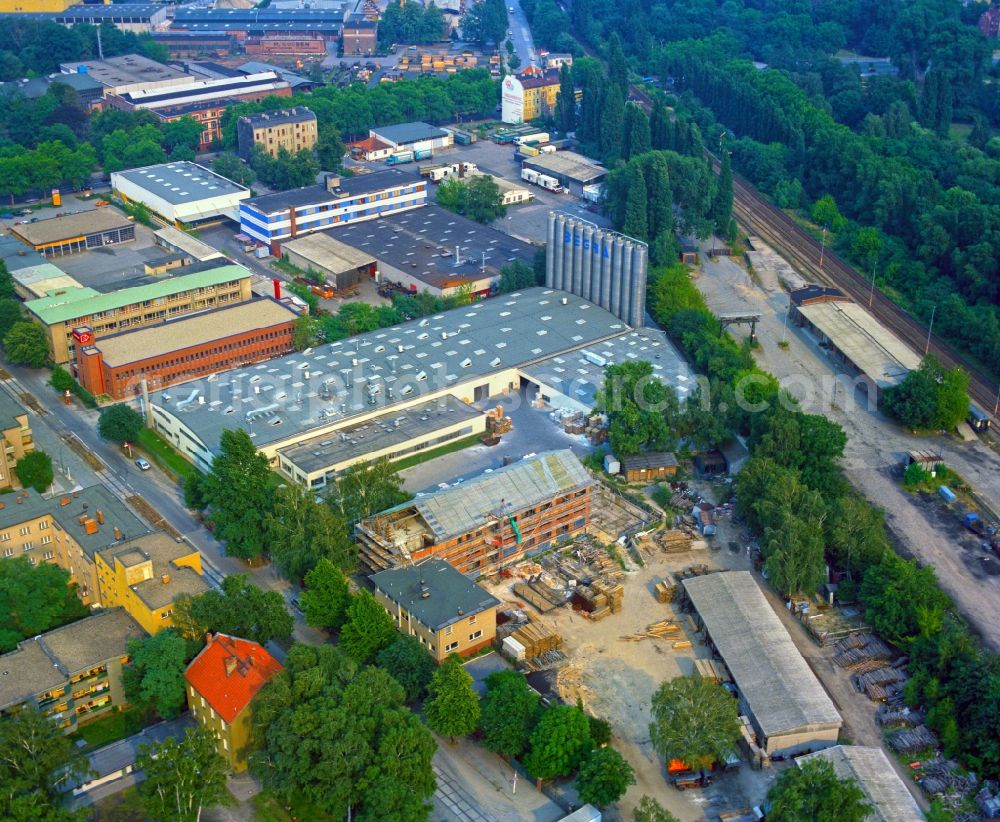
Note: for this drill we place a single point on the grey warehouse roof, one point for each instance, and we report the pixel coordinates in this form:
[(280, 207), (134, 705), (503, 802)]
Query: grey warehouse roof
[(280, 399), (870, 768), (409, 132), (451, 595), (462, 508), (568, 164), (782, 692), (182, 182)]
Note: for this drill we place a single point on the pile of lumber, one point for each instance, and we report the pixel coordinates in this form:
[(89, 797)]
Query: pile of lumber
[(912, 740), (712, 670), (861, 653), (889, 716), (538, 594), (601, 594), (666, 589), (664, 629), (674, 541), (537, 639), (694, 571), (499, 425), (881, 684)]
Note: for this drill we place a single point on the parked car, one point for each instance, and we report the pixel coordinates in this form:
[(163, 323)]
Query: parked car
[(692, 779), (143, 464), (6, 216)]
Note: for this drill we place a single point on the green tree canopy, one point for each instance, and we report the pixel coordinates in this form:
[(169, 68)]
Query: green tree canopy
[(930, 397), (182, 777), (813, 791), (559, 743), (452, 706), (510, 711), (649, 810), (365, 489), (368, 628), (155, 677), (604, 777), (26, 344), (34, 470), (300, 531), (10, 313), (409, 664), (326, 597), (120, 423), (902, 600), (34, 599), (638, 405), (695, 721), (516, 276), (238, 494), (231, 167), (238, 609)]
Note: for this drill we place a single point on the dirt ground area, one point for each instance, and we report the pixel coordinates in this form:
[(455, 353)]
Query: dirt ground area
[(612, 515)]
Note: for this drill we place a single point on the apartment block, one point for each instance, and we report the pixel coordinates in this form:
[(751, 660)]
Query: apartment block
[(15, 438), (64, 312), (68, 531), (222, 682), (487, 521), (146, 575), (444, 609), (292, 129), (72, 674)]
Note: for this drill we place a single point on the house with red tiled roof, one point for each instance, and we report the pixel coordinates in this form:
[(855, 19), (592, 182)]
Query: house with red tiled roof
[(370, 149), (222, 682)]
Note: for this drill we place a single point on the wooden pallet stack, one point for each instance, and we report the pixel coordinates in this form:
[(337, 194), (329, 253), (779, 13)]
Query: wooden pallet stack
[(666, 589), (537, 639), (674, 541)]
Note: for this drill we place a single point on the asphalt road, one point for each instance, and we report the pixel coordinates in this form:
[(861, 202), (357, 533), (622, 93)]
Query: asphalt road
[(524, 46)]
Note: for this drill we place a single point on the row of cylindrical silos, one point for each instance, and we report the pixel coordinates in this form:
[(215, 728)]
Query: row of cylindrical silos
[(599, 265)]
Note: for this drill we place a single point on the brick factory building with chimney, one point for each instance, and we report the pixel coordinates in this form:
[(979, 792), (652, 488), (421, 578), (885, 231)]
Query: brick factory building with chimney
[(221, 683)]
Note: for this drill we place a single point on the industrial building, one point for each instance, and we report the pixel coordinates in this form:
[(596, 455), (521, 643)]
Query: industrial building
[(73, 233), (195, 43), (221, 683), (175, 241), (853, 336), (185, 348), (181, 193), (488, 349), (37, 6), (599, 265), (359, 37), (134, 17), (572, 170), (272, 218), (413, 137), (440, 606), (339, 265), (887, 794), (40, 280), (147, 575), (15, 439), (244, 24), (62, 312), (129, 72), (487, 521), (205, 100), (785, 703), (291, 129), (67, 531), (435, 250), (72, 674), (88, 90)]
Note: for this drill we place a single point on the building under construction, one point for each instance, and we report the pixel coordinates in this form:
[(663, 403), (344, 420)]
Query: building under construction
[(487, 521)]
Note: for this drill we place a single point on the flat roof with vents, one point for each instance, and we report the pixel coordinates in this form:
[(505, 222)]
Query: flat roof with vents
[(182, 182)]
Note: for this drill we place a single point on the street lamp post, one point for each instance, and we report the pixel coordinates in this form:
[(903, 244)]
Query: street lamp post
[(929, 330), (822, 251), (871, 293)]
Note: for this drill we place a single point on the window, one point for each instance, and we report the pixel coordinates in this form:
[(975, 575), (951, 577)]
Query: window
[(46, 540), (27, 546), (43, 525), (475, 636), (8, 552), (472, 619), (49, 555), (5, 536), (447, 631), (451, 647), (25, 530), (225, 744)]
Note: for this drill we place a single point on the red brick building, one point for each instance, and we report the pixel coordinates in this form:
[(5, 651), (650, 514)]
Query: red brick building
[(275, 43), (216, 341), (360, 37)]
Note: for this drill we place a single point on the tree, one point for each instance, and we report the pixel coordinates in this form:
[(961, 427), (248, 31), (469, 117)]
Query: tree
[(902, 600), (635, 132), (120, 423), (566, 101), (722, 202), (612, 124), (813, 791), (303, 332), (516, 276), (367, 630), (38, 765), (182, 777), (34, 470), (483, 200), (409, 664), (825, 213), (856, 536), (604, 777), (930, 397), (238, 493), (617, 68), (26, 344), (649, 810), (452, 707), (233, 168), (509, 713), (34, 599), (326, 597), (238, 609), (181, 137), (559, 743), (330, 149), (194, 491), (866, 247), (61, 379), (450, 194), (695, 721), (300, 531), (637, 404), (365, 489), (636, 206), (155, 677), (10, 313)]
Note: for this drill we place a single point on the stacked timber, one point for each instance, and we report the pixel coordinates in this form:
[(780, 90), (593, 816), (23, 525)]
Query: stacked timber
[(538, 594), (666, 589), (712, 670), (861, 653), (536, 639), (599, 596), (664, 629), (674, 541), (912, 740), (881, 684)]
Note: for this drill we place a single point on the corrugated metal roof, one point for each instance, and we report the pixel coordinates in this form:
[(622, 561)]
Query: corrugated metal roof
[(890, 799), (782, 692), (463, 508)]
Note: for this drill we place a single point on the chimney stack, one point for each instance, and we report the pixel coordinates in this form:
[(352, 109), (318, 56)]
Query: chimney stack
[(100, 517), (230, 664)]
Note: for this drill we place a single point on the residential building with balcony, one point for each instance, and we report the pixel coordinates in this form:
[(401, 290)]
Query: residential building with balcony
[(15, 437), (72, 674), (222, 682), (292, 129), (65, 313)]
